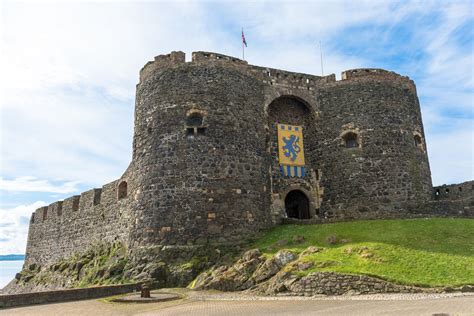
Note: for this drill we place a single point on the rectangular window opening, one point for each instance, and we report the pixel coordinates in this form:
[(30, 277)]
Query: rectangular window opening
[(201, 131), (75, 205)]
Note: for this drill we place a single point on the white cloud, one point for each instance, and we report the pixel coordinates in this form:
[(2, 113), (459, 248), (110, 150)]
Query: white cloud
[(69, 71), (31, 184), (68, 80), (14, 227)]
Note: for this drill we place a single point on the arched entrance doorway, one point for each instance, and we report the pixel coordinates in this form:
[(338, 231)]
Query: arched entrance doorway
[(297, 205)]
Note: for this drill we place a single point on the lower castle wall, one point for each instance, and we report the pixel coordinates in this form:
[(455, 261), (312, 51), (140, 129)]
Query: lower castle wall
[(451, 200), (330, 283), (23, 299), (452, 192), (66, 227)]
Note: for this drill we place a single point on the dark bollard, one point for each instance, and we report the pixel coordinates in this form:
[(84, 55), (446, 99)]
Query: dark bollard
[(145, 291)]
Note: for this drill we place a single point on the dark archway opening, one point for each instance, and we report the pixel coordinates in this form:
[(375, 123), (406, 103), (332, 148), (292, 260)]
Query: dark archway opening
[(297, 205)]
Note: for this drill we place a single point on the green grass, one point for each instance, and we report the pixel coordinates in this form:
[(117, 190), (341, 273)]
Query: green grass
[(424, 252)]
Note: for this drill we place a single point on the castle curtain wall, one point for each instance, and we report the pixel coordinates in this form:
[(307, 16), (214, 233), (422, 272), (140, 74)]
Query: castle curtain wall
[(71, 226)]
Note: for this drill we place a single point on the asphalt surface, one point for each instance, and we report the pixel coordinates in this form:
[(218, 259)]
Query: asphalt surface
[(222, 304)]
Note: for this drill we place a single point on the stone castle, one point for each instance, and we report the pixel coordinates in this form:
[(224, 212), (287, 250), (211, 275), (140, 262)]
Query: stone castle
[(205, 165)]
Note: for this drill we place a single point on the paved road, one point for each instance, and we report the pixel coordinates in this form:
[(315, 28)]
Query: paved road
[(218, 305)]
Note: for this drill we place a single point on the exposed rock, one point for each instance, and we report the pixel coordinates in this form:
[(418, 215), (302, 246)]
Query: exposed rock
[(304, 265), (278, 275), (116, 268), (284, 256), (234, 278), (33, 267), (251, 254), (157, 271), (144, 276), (265, 271), (310, 250), (366, 255)]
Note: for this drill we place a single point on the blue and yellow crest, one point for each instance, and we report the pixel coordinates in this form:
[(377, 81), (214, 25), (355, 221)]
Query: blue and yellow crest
[(291, 150)]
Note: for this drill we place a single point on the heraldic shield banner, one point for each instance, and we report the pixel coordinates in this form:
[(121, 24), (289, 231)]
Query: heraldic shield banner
[(291, 150)]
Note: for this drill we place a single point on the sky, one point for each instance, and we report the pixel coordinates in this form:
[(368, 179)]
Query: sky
[(69, 70)]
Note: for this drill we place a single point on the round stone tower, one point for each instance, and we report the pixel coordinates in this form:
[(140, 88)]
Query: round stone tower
[(196, 172), (372, 149)]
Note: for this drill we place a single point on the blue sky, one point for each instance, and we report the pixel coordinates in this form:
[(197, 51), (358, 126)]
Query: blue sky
[(69, 72)]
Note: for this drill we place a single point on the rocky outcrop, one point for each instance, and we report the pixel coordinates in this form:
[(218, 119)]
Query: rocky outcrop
[(105, 264), (286, 273), (251, 269)]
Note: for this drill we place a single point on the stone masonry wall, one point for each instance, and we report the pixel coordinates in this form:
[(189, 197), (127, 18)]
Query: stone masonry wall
[(330, 283), (210, 185), (452, 200), (66, 227), (386, 172), (461, 191)]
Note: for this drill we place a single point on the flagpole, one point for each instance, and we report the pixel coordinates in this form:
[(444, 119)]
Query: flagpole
[(243, 49), (321, 53)]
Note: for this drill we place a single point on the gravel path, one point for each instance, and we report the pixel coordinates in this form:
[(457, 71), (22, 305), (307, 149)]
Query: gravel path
[(371, 297), (229, 304)]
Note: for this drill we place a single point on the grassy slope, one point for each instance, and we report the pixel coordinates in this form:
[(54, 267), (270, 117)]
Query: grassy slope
[(425, 252)]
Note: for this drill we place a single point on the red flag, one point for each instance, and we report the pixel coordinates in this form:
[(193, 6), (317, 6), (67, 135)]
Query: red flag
[(243, 39)]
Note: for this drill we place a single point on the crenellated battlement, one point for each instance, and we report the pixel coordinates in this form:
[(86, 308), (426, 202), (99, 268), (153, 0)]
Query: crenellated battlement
[(273, 76), (96, 215), (204, 57), (90, 198), (77, 203), (369, 74), (160, 62), (456, 191)]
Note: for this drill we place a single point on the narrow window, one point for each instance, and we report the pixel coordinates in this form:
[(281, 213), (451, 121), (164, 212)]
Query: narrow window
[(122, 190), (351, 140), (447, 191), (45, 213), (195, 125), (75, 204), (437, 192), (33, 218), (460, 189), (418, 141), (194, 119)]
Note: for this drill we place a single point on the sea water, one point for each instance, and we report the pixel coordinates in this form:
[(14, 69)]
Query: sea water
[(8, 269)]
